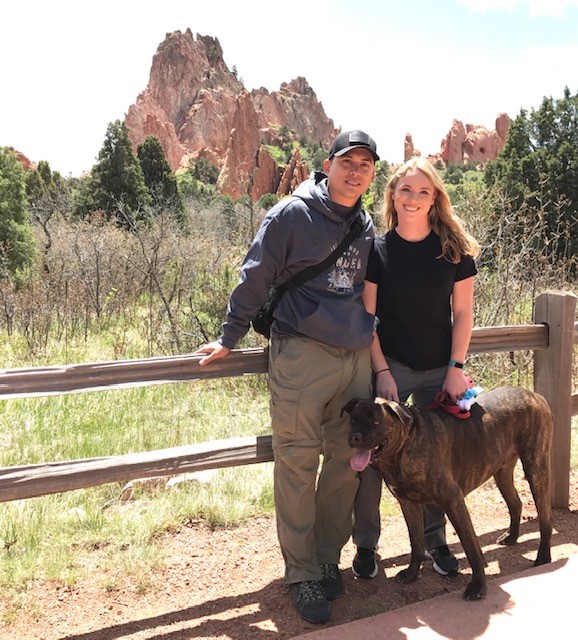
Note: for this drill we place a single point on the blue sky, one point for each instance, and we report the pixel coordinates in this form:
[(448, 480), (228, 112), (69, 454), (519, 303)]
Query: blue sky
[(389, 67)]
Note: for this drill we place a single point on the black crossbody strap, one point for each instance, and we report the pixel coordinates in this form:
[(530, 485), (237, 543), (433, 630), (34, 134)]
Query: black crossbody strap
[(297, 280)]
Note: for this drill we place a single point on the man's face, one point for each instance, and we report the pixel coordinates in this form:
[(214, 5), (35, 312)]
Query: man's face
[(349, 176)]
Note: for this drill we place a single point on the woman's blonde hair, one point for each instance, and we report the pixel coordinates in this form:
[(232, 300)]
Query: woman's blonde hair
[(455, 240)]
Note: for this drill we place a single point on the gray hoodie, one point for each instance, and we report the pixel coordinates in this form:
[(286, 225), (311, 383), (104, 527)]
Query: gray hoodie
[(296, 233)]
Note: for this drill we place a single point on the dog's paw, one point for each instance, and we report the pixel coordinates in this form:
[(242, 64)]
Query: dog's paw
[(475, 590), (406, 576), (543, 557)]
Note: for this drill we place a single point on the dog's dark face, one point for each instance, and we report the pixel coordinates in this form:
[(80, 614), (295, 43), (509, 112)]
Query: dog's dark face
[(378, 428)]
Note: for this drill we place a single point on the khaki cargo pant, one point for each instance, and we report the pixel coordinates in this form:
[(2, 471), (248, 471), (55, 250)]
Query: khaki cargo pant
[(309, 384)]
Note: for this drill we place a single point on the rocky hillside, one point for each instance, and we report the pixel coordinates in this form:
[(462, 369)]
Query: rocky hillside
[(198, 108)]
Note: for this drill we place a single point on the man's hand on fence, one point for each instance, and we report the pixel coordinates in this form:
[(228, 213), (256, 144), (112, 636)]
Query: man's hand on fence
[(214, 350)]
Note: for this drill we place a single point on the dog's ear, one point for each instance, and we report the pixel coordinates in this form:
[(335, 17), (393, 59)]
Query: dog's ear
[(350, 406), (396, 410)]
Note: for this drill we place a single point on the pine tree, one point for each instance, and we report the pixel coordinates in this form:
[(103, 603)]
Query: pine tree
[(17, 245), (160, 181), (538, 170), (116, 184)]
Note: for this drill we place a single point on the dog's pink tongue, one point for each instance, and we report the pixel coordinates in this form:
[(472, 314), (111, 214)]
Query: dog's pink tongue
[(360, 459)]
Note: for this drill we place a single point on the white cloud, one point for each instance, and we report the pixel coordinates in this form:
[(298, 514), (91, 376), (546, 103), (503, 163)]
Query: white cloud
[(537, 7)]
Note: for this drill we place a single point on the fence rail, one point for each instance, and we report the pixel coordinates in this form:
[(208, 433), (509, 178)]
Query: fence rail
[(551, 338), (117, 374)]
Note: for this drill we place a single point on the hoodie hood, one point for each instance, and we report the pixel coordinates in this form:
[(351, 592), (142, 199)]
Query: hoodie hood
[(315, 193)]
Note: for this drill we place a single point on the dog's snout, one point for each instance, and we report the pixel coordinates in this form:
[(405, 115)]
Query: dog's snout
[(355, 438)]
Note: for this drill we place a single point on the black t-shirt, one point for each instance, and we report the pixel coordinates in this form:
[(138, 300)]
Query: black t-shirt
[(414, 298)]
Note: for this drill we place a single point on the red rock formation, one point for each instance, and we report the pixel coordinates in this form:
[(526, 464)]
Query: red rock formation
[(198, 108), (474, 143), (27, 164), (409, 151), (266, 175), (408, 147), (185, 102), (437, 160), (451, 147), (481, 145), (503, 126), (295, 172), (243, 146), (295, 106)]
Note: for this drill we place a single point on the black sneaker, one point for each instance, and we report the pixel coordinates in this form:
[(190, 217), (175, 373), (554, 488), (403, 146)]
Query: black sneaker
[(311, 602), (364, 564), (444, 562), (332, 581)]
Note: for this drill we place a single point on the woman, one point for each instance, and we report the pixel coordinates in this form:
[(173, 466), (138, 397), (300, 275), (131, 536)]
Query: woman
[(420, 285)]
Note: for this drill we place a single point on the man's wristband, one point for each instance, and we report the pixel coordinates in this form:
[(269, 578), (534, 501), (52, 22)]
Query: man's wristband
[(457, 365), (382, 370)]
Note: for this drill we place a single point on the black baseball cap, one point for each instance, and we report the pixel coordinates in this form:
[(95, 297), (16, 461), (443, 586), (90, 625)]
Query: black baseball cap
[(353, 140)]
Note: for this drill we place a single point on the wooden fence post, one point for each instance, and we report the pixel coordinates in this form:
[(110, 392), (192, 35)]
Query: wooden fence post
[(553, 379)]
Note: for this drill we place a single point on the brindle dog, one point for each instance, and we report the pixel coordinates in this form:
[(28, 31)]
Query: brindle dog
[(429, 456)]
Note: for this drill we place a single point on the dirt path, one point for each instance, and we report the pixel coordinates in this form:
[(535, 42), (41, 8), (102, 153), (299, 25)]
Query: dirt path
[(227, 584)]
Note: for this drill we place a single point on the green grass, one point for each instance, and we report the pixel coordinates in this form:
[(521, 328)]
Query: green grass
[(50, 536), (122, 421)]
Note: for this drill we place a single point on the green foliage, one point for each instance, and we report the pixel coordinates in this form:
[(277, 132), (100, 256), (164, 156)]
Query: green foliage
[(462, 182), (193, 189), (538, 171), (159, 178), (373, 198), (267, 200), (285, 134), (116, 184), (199, 180), (203, 170), (457, 173), (17, 244), (51, 536), (286, 142), (42, 182), (312, 153), (48, 195), (279, 154)]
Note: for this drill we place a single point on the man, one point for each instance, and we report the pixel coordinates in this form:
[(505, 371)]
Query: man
[(318, 360)]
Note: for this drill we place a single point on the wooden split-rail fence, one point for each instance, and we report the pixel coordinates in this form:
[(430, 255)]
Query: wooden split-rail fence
[(552, 337)]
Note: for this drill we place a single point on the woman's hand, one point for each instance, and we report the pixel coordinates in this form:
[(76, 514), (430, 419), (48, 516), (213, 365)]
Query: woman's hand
[(385, 386), (455, 383)]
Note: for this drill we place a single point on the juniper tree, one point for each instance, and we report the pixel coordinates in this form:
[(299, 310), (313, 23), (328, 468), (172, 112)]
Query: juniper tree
[(538, 171), (17, 244), (116, 184), (159, 178)]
